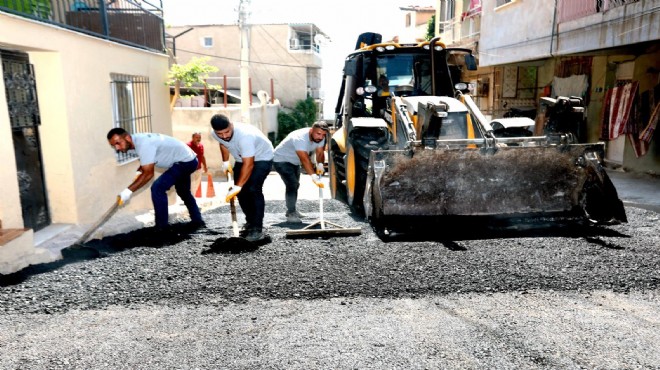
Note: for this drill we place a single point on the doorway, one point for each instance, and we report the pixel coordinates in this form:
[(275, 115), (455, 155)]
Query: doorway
[(21, 92)]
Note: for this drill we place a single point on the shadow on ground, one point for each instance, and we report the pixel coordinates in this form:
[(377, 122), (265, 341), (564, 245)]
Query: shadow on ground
[(448, 233), (146, 237)]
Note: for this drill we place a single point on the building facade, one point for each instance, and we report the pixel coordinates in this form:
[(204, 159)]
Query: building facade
[(284, 59), (598, 50), (68, 78)]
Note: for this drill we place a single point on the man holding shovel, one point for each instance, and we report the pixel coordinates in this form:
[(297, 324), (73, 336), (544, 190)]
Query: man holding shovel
[(294, 152), (165, 152), (253, 156)]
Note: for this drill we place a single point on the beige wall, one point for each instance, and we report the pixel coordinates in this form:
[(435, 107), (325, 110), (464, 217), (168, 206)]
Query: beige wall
[(186, 121), (270, 58), (10, 204), (73, 86)]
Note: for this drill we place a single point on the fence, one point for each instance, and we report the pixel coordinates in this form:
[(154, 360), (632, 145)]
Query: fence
[(132, 22)]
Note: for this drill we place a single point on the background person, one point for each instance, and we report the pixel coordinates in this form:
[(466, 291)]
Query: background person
[(196, 145), (294, 152), (383, 86), (162, 151), (253, 156)]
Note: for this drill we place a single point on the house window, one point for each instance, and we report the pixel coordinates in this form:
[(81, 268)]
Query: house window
[(131, 108), (502, 2), (207, 42)]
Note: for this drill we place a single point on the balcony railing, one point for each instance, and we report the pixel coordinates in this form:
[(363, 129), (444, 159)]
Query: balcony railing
[(133, 22), (458, 30), (568, 10), (297, 44)]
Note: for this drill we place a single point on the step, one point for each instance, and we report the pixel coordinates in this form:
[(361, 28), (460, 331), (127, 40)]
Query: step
[(17, 250), (7, 235)]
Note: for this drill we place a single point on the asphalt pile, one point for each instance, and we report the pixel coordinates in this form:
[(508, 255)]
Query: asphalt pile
[(136, 269)]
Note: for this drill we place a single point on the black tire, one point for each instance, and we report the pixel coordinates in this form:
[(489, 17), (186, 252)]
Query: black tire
[(336, 173), (356, 178), (376, 219), (359, 146)]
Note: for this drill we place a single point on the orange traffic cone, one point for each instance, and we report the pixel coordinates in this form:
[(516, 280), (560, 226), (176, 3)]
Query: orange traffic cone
[(210, 192), (198, 193)]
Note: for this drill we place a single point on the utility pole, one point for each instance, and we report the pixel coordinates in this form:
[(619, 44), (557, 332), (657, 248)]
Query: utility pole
[(243, 14)]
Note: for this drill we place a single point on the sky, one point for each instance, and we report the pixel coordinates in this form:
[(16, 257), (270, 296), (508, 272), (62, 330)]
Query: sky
[(341, 20)]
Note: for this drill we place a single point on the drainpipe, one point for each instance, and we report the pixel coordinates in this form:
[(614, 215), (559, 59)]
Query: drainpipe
[(554, 27)]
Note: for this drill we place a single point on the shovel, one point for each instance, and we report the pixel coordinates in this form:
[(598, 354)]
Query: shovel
[(233, 244), (79, 249)]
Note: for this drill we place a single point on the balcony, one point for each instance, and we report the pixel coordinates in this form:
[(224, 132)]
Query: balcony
[(568, 10), (303, 45), (137, 23), (461, 32)]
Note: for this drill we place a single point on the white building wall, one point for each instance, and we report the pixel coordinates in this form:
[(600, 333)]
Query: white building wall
[(515, 32), (619, 26)]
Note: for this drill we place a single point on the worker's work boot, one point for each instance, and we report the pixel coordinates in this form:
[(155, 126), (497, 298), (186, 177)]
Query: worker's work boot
[(293, 218), (244, 230), (254, 235)]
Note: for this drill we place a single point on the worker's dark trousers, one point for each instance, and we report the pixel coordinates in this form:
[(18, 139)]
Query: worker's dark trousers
[(251, 196), (290, 174), (179, 176)]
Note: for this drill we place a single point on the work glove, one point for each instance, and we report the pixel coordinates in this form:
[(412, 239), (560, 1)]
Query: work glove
[(317, 181), (320, 169), (226, 167), (124, 196), (232, 192)]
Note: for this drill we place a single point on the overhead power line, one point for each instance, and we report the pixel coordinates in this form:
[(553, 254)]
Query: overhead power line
[(239, 59)]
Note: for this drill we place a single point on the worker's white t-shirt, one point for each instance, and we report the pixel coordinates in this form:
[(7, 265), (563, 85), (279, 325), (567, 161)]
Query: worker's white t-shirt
[(297, 140), (161, 150), (247, 141)]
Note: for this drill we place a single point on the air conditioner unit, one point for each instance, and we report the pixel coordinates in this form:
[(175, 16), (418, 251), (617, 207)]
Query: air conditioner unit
[(294, 44)]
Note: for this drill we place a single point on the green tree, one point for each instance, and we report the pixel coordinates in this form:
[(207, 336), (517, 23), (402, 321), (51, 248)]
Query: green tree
[(430, 28), (302, 115), (195, 71)]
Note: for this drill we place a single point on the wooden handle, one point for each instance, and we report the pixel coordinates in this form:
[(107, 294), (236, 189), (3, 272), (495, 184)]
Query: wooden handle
[(106, 216), (234, 223)]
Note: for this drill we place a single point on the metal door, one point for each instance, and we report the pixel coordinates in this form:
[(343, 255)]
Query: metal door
[(21, 91)]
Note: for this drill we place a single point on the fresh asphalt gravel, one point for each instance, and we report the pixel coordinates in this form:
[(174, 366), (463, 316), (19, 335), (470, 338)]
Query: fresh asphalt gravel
[(564, 297)]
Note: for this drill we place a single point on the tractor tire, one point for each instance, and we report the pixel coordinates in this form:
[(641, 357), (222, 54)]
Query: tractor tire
[(336, 173), (359, 146), (356, 177)]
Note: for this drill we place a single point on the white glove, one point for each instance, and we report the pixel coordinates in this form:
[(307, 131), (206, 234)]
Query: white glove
[(232, 192), (124, 196), (317, 181), (226, 167), (319, 169)]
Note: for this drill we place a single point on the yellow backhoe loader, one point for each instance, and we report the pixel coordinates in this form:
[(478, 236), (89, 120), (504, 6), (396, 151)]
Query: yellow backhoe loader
[(411, 146)]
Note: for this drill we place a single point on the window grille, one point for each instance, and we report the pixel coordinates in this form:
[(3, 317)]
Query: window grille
[(208, 42), (131, 107)]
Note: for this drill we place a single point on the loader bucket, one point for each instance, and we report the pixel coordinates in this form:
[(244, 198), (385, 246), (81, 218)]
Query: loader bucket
[(514, 181)]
